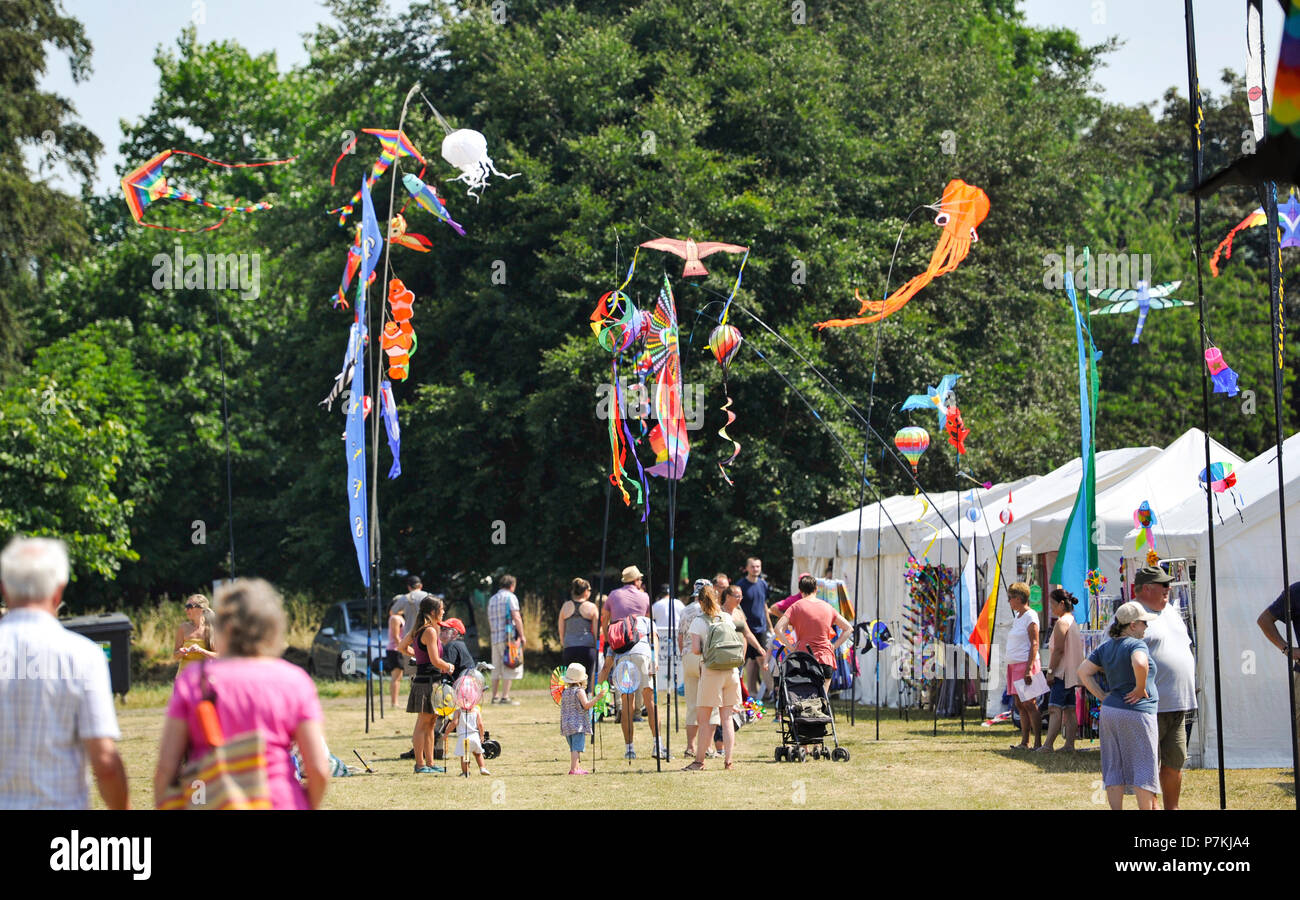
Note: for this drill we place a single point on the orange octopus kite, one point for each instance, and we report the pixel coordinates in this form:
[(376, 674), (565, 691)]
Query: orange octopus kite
[(961, 211)]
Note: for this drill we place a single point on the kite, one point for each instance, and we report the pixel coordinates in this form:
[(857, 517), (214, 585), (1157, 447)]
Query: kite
[(397, 234), (935, 398), (395, 144), (1144, 299), (398, 337), (957, 430), (1145, 520), (1223, 481), (428, 200), (1225, 380), (466, 149), (725, 342), (388, 405), (693, 252), (668, 438), (1277, 156), (147, 183), (912, 442), (350, 267), (961, 210), (1288, 219)]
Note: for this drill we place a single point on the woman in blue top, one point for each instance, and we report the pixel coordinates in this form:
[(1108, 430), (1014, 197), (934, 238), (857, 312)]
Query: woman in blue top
[(1128, 712)]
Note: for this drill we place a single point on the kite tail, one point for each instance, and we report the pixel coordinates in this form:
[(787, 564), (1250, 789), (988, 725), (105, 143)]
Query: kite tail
[(722, 433), (946, 257), (1225, 245), (617, 453)]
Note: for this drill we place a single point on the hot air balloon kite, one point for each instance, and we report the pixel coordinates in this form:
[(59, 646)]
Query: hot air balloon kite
[(724, 342), (912, 442)]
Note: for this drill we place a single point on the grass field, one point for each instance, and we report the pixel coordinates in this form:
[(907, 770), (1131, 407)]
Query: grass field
[(907, 768)]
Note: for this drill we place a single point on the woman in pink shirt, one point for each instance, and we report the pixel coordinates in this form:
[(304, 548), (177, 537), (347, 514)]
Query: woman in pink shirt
[(255, 689), (814, 622)]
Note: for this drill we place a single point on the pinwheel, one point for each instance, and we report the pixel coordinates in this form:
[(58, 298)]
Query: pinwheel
[(466, 149), (617, 324), (668, 437), (912, 442), (1095, 581), (1145, 520), (557, 682), (626, 677), (1224, 378), (428, 200), (1144, 299), (725, 342), (935, 398), (604, 705), (394, 145), (147, 184), (961, 210)]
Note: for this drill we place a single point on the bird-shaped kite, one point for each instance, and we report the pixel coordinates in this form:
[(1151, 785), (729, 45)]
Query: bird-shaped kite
[(692, 252), (427, 199), (725, 342), (1288, 219), (957, 430), (1225, 380), (395, 144), (147, 183), (668, 438), (935, 398), (1144, 299), (962, 209), (1144, 519), (1277, 156)]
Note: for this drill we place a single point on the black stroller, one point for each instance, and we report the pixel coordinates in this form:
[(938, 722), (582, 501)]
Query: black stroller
[(805, 711)]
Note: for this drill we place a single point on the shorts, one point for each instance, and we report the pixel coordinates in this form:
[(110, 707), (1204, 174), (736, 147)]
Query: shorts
[(763, 638), (1061, 695), (394, 661), (642, 664), (577, 742), (719, 688), (499, 669), (1172, 732), (584, 655), (467, 745)]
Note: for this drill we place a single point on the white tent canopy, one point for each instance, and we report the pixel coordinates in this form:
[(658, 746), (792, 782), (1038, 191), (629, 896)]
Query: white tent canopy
[(1248, 576)]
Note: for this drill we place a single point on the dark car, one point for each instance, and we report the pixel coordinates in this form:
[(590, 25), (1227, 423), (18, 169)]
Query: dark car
[(339, 648)]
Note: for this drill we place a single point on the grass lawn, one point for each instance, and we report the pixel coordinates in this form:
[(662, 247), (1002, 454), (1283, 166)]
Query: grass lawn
[(907, 768)]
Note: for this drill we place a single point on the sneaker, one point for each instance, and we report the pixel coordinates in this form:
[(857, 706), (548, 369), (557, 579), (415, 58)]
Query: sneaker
[(660, 753), (409, 754), (710, 753), (495, 700), (441, 770), (506, 701), (427, 770), (630, 754), (483, 771), (579, 772)]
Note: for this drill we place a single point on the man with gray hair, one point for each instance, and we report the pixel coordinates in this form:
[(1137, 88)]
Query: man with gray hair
[(56, 701)]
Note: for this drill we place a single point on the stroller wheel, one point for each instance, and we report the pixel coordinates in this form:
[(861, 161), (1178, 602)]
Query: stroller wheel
[(780, 754), (839, 754), (816, 753), (803, 755)]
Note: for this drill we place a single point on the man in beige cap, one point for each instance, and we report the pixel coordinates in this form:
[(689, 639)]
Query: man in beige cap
[(632, 600), (1171, 649)]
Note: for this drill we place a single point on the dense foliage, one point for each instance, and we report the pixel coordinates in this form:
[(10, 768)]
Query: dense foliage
[(814, 142)]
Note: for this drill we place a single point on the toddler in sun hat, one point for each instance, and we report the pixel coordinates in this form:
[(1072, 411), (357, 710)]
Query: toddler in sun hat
[(575, 721)]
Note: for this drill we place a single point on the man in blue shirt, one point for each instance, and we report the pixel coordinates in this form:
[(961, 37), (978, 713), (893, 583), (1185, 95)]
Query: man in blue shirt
[(753, 604), (1268, 621)]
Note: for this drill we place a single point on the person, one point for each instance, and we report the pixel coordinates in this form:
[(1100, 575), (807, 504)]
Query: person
[(575, 718), (670, 670), (778, 608), (719, 689), (1268, 621), (578, 626), (813, 622), (392, 659), (1022, 663), (408, 604), (255, 690), (455, 652), (422, 644), (194, 636), (625, 601), (690, 663), (468, 725), (754, 606), (721, 582), (503, 615), (1128, 712), (1064, 654), (51, 726), (731, 606), (1170, 648)]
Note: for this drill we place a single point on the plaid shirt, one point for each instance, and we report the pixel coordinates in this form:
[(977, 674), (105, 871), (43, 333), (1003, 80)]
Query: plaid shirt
[(503, 603), (54, 694)]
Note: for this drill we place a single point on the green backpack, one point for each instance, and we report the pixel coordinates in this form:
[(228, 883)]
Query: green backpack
[(724, 648)]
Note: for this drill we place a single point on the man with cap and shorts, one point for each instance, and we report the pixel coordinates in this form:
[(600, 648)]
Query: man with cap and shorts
[(1171, 648), (631, 600), (1268, 621)]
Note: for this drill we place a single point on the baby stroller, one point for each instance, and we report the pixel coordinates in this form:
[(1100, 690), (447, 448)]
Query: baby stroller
[(805, 711)]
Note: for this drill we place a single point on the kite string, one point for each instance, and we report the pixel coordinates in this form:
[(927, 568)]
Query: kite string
[(252, 165)]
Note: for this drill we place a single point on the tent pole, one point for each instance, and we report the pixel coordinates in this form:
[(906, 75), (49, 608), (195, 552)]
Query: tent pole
[(857, 575)]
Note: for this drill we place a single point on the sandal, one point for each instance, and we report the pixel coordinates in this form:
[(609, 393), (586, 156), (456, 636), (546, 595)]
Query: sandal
[(694, 767), (729, 766)]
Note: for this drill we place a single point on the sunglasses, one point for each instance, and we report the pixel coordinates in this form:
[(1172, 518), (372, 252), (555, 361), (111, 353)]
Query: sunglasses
[(194, 606)]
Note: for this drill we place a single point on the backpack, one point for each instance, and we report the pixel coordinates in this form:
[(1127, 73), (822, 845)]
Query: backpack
[(723, 647), (623, 634)]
